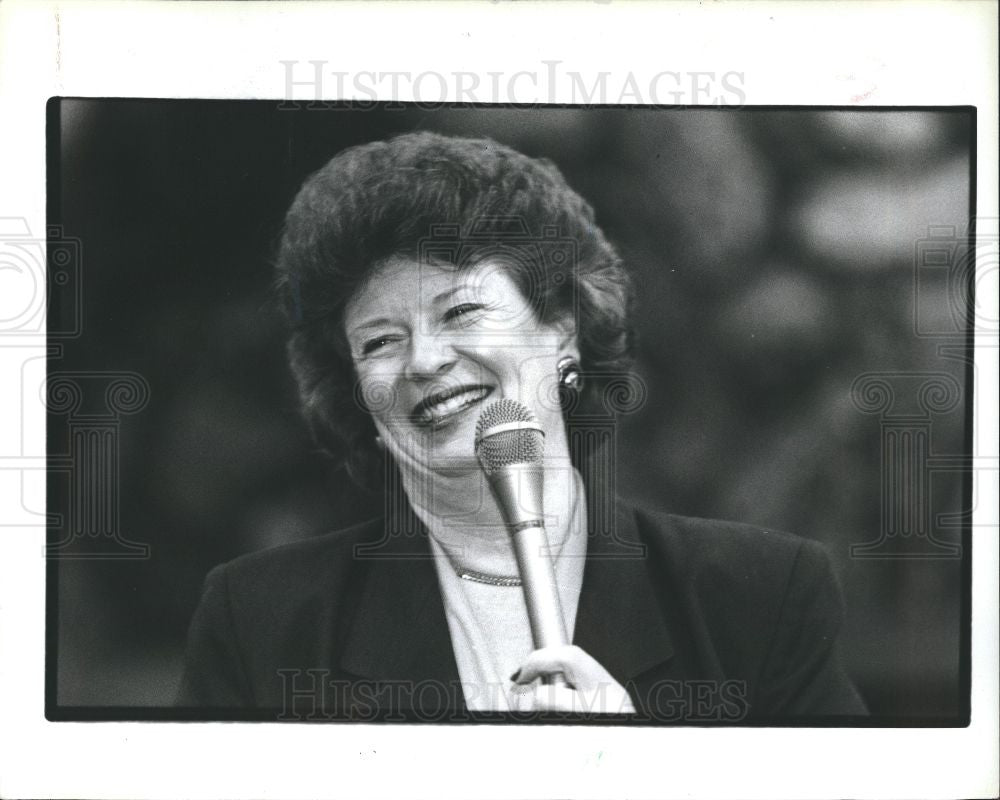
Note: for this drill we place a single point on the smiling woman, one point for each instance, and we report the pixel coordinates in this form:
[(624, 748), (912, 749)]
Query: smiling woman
[(424, 278), (516, 220), (443, 340)]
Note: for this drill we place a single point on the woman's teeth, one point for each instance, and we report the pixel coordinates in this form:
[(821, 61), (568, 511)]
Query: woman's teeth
[(442, 409)]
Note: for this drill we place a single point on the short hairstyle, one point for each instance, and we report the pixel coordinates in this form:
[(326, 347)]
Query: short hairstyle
[(392, 198)]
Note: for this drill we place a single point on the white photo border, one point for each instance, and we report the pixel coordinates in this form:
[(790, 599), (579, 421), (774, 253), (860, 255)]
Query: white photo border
[(788, 53)]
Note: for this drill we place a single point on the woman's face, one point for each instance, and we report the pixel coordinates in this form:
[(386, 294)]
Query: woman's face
[(433, 345)]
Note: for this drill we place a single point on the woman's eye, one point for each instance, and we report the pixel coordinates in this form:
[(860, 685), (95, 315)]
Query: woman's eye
[(376, 343), (462, 312)]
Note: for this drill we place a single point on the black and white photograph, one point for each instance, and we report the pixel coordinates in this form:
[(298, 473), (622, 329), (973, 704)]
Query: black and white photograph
[(493, 399), (401, 414)]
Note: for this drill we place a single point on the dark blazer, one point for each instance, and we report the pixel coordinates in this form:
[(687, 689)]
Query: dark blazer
[(702, 621)]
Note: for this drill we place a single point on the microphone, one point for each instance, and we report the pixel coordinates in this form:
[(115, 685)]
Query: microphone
[(509, 445)]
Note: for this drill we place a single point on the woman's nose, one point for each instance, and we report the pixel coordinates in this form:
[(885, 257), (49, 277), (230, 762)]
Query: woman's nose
[(430, 355)]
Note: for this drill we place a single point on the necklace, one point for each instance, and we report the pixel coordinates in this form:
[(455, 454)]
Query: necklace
[(474, 576), (491, 580)]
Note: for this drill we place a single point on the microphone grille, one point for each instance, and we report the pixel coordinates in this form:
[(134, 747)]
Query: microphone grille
[(500, 441)]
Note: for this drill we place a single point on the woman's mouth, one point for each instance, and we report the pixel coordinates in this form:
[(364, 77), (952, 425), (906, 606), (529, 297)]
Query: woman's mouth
[(439, 408)]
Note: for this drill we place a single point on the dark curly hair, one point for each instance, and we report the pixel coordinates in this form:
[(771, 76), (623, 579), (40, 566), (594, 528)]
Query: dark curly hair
[(421, 195)]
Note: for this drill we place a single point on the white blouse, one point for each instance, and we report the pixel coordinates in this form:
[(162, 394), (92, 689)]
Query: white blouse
[(490, 632)]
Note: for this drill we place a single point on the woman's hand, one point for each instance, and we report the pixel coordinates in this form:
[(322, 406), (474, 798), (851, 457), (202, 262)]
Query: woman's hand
[(588, 687)]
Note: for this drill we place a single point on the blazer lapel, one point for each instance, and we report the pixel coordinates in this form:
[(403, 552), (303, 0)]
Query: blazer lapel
[(619, 619), (400, 632)]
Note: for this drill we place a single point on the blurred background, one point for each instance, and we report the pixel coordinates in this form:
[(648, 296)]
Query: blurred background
[(775, 253)]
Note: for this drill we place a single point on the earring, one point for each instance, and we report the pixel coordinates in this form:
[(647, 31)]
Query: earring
[(379, 443), (570, 376)]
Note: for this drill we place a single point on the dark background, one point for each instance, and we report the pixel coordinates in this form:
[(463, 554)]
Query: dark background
[(774, 253)]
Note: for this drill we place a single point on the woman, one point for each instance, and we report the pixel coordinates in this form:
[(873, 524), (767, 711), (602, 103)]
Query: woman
[(424, 278)]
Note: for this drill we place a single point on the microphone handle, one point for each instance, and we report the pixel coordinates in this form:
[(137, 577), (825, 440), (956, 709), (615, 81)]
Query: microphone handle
[(540, 593), (518, 491), (539, 583)]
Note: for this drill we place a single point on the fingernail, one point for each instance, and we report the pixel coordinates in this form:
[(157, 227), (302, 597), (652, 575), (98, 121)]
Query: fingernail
[(515, 675)]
